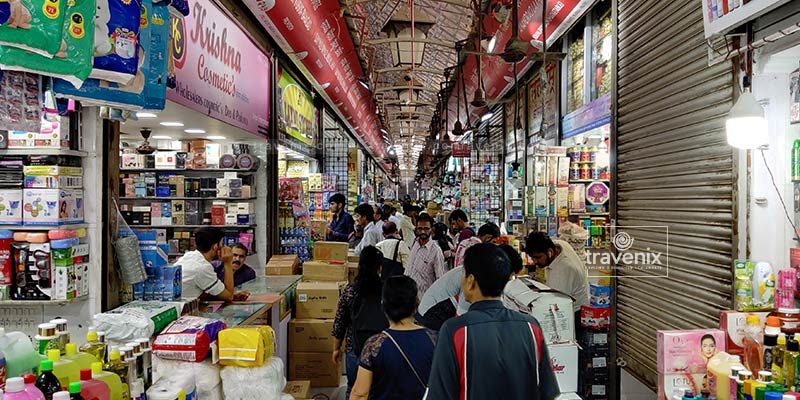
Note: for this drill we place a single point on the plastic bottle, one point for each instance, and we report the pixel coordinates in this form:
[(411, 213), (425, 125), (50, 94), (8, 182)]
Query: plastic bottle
[(777, 359), (93, 389), (75, 391), (30, 387), (116, 366), (719, 369), (47, 381), (47, 338), (94, 346), (62, 395), (62, 331), (732, 383), (147, 361), (65, 370), (688, 395), (128, 358), (789, 360), (21, 356), (139, 363), (770, 341), (15, 390), (110, 379), (796, 160), (81, 360), (3, 375), (753, 344)]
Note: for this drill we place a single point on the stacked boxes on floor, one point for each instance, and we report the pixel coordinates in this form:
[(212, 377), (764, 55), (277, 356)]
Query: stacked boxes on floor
[(164, 281), (317, 299), (596, 354)]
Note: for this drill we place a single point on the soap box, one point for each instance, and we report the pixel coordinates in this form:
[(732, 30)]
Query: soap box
[(10, 207), (52, 206), (688, 351), (733, 324), (670, 385)]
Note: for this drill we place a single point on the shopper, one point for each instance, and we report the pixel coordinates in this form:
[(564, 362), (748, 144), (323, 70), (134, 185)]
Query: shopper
[(242, 272), (373, 233), (566, 271), (488, 232), (199, 278), (445, 242), (394, 217), (394, 250), (408, 223), (458, 220), (396, 363), (359, 314), (356, 237), (490, 350), (426, 262), (341, 226)]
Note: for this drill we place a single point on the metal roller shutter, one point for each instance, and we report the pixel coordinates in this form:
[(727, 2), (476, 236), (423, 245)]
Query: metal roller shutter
[(674, 169)]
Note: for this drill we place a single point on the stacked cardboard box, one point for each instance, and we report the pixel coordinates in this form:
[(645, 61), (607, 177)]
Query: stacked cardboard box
[(284, 264), (596, 354), (310, 341)]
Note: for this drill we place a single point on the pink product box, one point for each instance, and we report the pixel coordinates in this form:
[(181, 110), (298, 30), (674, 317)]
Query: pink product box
[(787, 280), (688, 351)]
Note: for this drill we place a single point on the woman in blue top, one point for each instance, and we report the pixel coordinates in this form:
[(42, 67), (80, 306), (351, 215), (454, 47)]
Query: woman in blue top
[(395, 363)]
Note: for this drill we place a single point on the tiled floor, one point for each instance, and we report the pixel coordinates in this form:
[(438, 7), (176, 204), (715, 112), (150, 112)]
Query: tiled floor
[(632, 389)]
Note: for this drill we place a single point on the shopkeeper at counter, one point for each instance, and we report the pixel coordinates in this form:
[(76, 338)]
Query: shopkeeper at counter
[(242, 273), (199, 278), (342, 224)]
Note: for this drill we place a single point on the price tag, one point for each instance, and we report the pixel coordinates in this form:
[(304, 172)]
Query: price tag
[(600, 338), (599, 362)]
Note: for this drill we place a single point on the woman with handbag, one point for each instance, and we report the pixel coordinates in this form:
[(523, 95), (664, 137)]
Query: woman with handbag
[(395, 363)]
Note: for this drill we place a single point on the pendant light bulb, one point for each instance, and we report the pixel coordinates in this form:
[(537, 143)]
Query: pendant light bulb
[(746, 125)]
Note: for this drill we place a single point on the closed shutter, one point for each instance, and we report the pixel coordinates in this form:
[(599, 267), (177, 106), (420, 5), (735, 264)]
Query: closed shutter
[(675, 170)]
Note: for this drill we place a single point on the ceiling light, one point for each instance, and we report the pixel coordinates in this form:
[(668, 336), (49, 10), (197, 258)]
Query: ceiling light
[(364, 83), (194, 131), (163, 137), (746, 125), (169, 123), (487, 116), (145, 115), (216, 137), (492, 43)]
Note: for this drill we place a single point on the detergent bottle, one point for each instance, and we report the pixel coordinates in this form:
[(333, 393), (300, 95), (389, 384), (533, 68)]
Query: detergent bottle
[(94, 346), (753, 344), (75, 391), (47, 382), (15, 390), (93, 389), (82, 360), (777, 359), (117, 366), (719, 369), (30, 387), (110, 379), (65, 370), (21, 356)]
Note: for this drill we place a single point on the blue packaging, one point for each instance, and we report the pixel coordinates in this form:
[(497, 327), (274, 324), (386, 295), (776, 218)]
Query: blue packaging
[(600, 296), (162, 191), (116, 40), (138, 291), (170, 283)]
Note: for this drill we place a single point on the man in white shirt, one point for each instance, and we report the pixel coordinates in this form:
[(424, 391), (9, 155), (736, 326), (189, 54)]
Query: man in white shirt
[(372, 233), (566, 271), (393, 243), (487, 233), (426, 261), (199, 278), (407, 223)]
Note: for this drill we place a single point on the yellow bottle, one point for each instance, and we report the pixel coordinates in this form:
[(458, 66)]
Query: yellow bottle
[(82, 360), (719, 369), (110, 379), (116, 366), (94, 346), (778, 353), (65, 370)]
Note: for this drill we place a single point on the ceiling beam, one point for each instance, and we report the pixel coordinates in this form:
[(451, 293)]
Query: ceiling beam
[(408, 69), (433, 42), (424, 114), (401, 88), (411, 104), (457, 3), (408, 120)]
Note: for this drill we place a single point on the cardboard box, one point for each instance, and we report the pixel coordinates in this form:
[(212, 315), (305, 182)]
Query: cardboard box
[(681, 351), (52, 206), (288, 264), (552, 309), (332, 252), (672, 384), (311, 335), (733, 324), (298, 389), (564, 360), (314, 367), (10, 207), (317, 299), (352, 272), (315, 271)]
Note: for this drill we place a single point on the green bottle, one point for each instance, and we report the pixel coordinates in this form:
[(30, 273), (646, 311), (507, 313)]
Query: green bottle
[(796, 160)]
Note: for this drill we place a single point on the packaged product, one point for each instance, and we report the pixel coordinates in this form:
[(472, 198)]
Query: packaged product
[(600, 296), (187, 339), (206, 374), (671, 385), (20, 106), (33, 25), (116, 40), (595, 317), (264, 382), (688, 351), (137, 319), (733, 323), (246, 347), (73, 61), (755, 286)]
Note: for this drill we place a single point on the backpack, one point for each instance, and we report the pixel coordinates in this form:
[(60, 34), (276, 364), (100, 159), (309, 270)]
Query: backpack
[(367, 318), (392, 266)]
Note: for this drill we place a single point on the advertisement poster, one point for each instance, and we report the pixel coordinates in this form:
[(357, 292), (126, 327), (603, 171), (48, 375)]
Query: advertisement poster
[(217, 69), (551, 103), (297, 117)]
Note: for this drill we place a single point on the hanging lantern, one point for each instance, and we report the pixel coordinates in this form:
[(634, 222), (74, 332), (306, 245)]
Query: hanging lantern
[(399, 30)]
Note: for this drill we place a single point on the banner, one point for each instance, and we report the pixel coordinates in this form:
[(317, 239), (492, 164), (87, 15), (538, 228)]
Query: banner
[(591, 116), (535, 111), (220, 72), (297, 116), (462, 150)]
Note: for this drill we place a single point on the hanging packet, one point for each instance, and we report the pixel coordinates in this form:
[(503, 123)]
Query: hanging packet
[(73, 62), (21, 103), (177, 8), (148, 88), (116, 40), (33, 25)]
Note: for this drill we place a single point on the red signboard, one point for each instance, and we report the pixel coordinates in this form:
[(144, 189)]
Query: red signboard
[(315, 32), (461, 150)]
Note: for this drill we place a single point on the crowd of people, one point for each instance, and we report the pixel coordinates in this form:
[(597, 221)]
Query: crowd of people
[(440, 311)]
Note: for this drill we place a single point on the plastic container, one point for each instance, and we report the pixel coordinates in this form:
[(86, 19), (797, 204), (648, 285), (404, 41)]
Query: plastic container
[(62, 331), (94, 346), (63, 395), (93, 389), (30, 387), (173, 387), (117, 366), (110, 379), (3, 375), (719, 370), (753, 344), (81, 360), (65, 370), (15, 390), (778, 353), (47, 382), (47, 338), (789, 360), (789, 318), (147, 361), (21, 356), (75, 391)]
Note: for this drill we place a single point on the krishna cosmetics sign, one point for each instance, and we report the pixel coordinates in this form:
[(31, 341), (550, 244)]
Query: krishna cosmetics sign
[(219, 71)]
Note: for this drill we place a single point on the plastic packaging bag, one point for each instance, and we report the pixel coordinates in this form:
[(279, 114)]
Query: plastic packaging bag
[(73, 62), (246, 347), (265, 382), (21, 103), (116, 40), (33, 25), (129, 257), (137, 319), (187, 339)]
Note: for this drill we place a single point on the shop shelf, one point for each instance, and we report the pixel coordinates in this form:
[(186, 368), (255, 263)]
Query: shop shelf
[(192, 226), (590, 214), (588, 180), (20, 303), (188, 198), (582, 162), (42, 152), (43, 228), (241, 171)]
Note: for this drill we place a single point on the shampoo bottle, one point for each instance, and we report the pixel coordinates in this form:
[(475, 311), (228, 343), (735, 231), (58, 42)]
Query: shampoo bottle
[(789, 360), (753, 344), (110, 379), (82, 360), (777, 359)]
